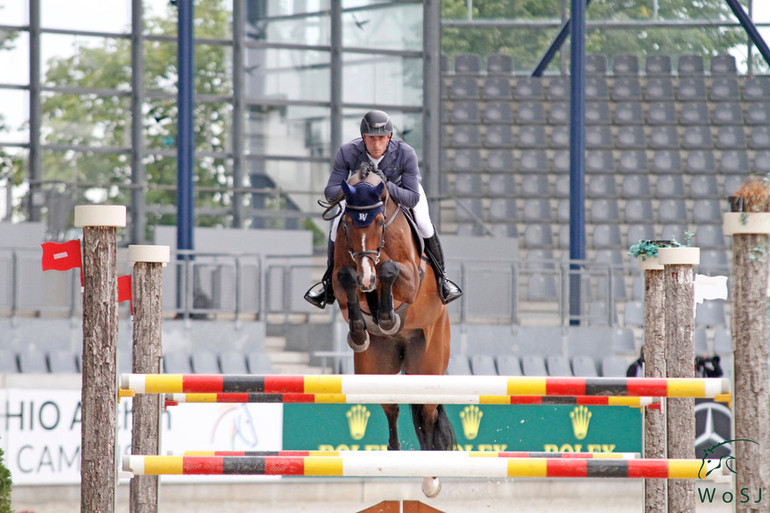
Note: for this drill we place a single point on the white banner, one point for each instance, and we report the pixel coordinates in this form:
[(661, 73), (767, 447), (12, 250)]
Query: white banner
[(40, 433)]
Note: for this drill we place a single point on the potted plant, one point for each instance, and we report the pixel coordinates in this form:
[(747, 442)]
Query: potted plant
[(646, 253), (652, 255), (749, 207)]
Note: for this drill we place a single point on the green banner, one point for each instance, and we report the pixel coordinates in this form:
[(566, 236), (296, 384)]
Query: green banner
[(363, 427)]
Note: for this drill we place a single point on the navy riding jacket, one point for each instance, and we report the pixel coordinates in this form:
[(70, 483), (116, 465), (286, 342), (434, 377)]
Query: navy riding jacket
[(399, 164)]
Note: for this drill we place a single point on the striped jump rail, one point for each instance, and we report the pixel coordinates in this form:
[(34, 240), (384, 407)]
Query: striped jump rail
[(291, 398), (470, 454), (424, 385), (415, 464)]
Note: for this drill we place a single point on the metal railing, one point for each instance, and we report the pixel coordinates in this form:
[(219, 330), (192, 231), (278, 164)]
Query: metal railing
[(241, 286)]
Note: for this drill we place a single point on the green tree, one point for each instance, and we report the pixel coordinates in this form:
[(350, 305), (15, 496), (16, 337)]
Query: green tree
[(528, 45), (5, 487), (104, 120)]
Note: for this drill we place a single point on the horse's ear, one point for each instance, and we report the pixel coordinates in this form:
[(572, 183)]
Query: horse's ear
[(380, 188), (348, 190)]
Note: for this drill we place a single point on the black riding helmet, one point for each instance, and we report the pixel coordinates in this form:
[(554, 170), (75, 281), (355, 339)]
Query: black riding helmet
[(376, 122)]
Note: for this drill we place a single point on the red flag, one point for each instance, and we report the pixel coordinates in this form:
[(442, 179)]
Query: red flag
[(61, 256), (124, 291), (124, 288)]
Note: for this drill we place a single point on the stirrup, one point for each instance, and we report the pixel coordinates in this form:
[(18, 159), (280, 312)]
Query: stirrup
[(449, 291), (316, 295)]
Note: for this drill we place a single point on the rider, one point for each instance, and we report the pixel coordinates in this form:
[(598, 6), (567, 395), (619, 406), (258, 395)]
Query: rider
[(398, 161)]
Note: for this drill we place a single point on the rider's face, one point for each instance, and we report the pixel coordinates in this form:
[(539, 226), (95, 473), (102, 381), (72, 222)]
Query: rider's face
[(376, 144)]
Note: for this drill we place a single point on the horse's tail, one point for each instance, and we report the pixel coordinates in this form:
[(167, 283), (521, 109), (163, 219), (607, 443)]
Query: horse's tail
[(441, 437)]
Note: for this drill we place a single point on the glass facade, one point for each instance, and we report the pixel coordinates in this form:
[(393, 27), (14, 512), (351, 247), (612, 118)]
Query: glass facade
[(274, 89)]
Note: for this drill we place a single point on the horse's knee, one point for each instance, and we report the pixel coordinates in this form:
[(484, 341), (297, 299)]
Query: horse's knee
[(388, 271)]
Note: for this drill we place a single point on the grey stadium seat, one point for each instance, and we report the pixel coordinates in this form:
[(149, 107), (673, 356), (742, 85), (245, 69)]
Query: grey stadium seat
[(533, 161), (757, 89), (498, 112), (664, 136), (508, 365), (499, 136), (711, 314), (468, 160), (636, 186), (499, 161), (499, 63), (662, 113), (633, 161), (538, 236), (658, 64), (500, 184), (638, 210), (32, 361), (530, 112), (532, 365), (530, 88), (730, 137), (532, 136), (672, 211), (598, 113), (483, 365), (614, 367), (691, 89), (703, 186), (723, 64), (601, 186), (666, 161), (458, 366), (760, 137), (559, 113), (466, 136), (690, 65), (596, 88), (496, 88), (628, 113), (596, 64), (734, 162), (467, 63), (558, 366), (728, 113), (725, 89), (584, 366), (625, 64), (627, 88), (258, 362), (659, 88), (558, 88), (175, 362), (466, 112), (758, 113), (63, 362), (701, 162), (233, 362), (205, 362), (695, 113), (467, 184), (706, 211), (463, 88), (598, 136), (697, 137), (631, 136), (599, 161)]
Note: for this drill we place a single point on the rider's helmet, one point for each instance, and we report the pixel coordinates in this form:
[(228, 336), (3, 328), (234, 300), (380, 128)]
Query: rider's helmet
[(376, 122)]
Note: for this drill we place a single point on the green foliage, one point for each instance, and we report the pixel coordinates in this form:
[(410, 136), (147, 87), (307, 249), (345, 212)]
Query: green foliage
[(649, 248), (528, 45), (105, 121), (5, 487)]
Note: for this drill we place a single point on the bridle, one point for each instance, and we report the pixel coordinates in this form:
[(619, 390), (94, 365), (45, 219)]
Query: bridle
[(373, 255)]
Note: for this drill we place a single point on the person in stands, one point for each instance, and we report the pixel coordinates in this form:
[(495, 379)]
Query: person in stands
[(398, 162)]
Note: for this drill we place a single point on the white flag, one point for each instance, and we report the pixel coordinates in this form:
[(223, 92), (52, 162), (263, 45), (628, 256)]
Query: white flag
[(710, 287)]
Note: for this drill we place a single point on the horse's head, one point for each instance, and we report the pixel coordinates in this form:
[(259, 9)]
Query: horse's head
[(363, 224)]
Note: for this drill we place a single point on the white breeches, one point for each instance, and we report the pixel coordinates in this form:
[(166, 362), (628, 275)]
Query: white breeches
[(421, 217)]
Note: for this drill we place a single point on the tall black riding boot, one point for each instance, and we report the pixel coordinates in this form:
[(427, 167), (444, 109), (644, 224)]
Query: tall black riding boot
[(447, 289), (322, 294)]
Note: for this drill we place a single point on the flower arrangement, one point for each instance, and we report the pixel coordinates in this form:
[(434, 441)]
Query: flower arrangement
[(752, 196)]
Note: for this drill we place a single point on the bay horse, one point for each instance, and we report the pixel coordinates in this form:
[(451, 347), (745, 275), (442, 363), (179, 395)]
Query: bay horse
[(388, 294)]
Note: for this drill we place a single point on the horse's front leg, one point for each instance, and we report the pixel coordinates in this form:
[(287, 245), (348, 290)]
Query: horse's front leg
[(391, 412), (387, 319), (358, 337)]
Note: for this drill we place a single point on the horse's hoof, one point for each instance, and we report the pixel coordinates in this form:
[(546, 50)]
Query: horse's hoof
[(431, 486), (359, 348), (396, 325)]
